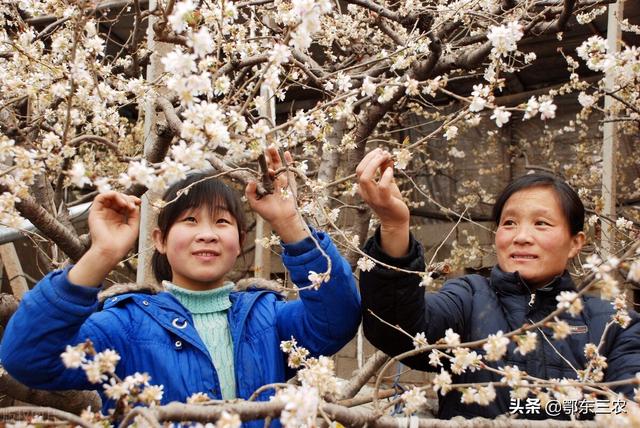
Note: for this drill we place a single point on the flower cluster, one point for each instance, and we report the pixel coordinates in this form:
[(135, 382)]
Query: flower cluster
[(100, 367)]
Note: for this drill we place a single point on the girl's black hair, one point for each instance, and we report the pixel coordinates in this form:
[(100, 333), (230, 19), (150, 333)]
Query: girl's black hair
[(209, 192), (569, 200)]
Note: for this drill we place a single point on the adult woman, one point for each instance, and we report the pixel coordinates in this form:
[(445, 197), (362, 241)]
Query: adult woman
[(539, 222)]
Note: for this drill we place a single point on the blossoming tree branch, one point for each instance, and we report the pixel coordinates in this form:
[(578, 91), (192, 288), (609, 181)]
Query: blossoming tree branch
[(79, 105)]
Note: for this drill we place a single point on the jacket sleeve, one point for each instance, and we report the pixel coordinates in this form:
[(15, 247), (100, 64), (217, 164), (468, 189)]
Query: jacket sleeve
[(397, 298), (321, 320), (623, 356), (51, 316)]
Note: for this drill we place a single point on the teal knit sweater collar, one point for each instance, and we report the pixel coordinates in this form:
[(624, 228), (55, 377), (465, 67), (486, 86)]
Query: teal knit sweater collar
[(202, 302)]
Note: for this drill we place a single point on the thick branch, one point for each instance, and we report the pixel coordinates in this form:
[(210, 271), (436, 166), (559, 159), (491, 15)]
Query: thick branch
[(237, 65), (8, 305), (69, 401), (560, 22), (64, 238), (356, 417), (381, 10), (20, 413), (364, 374)]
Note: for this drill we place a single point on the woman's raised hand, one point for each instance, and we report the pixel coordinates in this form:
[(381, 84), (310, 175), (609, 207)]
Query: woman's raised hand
[(384, 198), (279, 208)]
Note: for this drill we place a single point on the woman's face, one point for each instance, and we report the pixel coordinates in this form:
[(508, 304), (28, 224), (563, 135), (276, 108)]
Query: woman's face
[(533, 236), (201, 249)]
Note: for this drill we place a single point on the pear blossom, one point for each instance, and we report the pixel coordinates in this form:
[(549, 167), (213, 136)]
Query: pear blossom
[(496, 346), (504, 38), (451, 338), (179, 63), (570, 300), (78, 176), (228, 420), (151, 394), (201, 42), (413, 400), (368, 87), (586, 100), (512, 375), (560, 329), (420, 341), (73, 356), (464, 360), (451, 133), (442, 382), (300, 406), (365, 264), (427, 279), (388, 93), (403, 157), (181, 12), (501, 116), (547, 110)]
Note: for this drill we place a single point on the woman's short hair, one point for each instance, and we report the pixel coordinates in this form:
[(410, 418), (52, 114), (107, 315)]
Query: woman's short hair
[(570, 202), (204, 191)]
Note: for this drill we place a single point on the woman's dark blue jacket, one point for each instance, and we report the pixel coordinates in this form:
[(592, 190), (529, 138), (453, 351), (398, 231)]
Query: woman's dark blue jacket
[(474, 307), (154, 333)]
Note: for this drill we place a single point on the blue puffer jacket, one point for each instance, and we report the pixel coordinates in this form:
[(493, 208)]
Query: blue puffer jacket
[(154, 333), (474, 307)]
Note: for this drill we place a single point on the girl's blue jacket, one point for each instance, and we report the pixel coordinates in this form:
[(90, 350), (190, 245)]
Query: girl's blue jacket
[(154, 333)]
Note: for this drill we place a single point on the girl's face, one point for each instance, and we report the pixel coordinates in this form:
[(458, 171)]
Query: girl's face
[(534, 238), (201, 249)]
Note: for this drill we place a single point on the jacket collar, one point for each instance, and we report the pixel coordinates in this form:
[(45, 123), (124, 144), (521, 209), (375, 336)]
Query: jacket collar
[(132, 287), (511, 283)]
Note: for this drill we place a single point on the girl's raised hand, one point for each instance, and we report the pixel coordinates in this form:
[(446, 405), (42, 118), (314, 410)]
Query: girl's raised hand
[(279, 208), (384, 198), (114, 223)]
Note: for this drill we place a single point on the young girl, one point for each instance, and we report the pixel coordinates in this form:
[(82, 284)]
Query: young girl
[(539, 222), (198, 335)]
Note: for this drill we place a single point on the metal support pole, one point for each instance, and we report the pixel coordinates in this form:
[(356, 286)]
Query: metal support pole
[(262, 259), (610, 138), (147, 214)]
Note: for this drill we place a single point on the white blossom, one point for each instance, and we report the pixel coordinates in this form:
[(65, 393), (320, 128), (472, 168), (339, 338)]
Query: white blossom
[(403, 157), (368, 87), (365, 264), (300, 406), (414, 399), (179, 63), (451, 132), (73, 356), (586, 100), (229, 420), (560, 329), (387, 93), (496, 346), (279, 54), (526, 342), (78, 175), (442, 382), (181, 11), (504, 38), (570, 300), (151, 394), (547, 110), (419, 341), (451, 338), (501, 116), (201, 42)]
